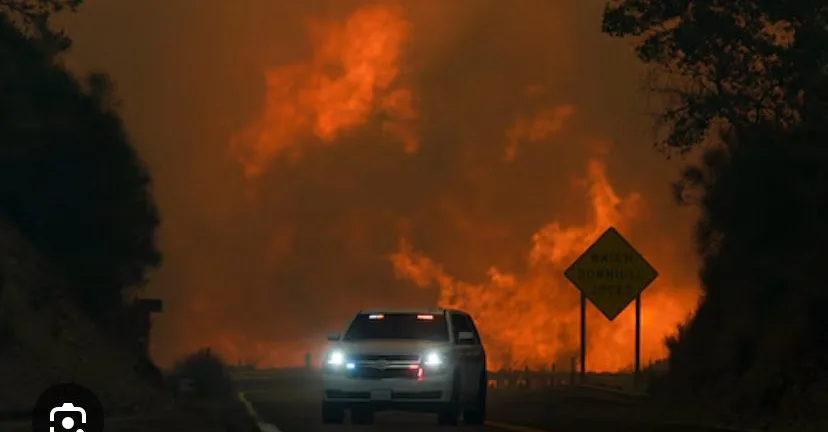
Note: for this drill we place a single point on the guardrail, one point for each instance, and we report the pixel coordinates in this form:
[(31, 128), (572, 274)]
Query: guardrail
[(618, 382), (529, 379), (500, 379)]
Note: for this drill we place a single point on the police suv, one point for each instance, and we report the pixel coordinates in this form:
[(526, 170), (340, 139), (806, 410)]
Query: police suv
[(414, 360)]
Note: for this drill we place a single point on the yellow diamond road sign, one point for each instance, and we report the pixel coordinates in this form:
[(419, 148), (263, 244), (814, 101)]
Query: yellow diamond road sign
[(611, 273)]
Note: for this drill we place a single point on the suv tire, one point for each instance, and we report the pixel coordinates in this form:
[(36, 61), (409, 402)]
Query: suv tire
[(332, 414), (476, 414), (362, 416), (450, 413)]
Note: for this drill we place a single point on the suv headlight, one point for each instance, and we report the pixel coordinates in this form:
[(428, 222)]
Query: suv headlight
[(433, 359), (335, 358)]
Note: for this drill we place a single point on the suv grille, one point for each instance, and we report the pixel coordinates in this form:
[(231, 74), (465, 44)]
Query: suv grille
[(363, 372), (385, 357)]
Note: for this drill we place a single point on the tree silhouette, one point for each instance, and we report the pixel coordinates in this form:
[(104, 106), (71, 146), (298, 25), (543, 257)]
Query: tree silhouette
[(32, 18), (743, 62), (751, 76), (70, 179)]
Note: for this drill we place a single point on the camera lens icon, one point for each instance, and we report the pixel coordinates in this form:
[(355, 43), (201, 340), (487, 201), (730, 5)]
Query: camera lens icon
[(67, 422), (67, 407)]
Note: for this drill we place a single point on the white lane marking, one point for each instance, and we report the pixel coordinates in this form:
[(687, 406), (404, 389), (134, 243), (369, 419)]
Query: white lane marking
[(263, 427)]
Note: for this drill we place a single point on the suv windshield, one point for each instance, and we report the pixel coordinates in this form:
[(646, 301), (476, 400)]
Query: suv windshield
[(398, 326)]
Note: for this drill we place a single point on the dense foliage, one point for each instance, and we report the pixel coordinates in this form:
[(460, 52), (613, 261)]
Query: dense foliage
[(70, 179), (745, 82)]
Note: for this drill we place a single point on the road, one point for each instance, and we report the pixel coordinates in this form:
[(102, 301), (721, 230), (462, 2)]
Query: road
[(290, 402)]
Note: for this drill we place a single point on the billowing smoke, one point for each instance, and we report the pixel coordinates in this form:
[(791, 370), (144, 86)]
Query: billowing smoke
[(314, 158)]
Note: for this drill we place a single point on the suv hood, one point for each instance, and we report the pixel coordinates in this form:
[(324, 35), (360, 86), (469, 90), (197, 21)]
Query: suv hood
[(390, 346)]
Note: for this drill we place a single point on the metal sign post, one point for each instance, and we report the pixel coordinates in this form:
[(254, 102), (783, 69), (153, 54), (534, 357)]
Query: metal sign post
[(637, 341), (583, 337), (611, 274)]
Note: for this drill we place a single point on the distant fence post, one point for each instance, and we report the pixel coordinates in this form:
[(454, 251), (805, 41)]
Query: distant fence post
[(572, 373), (554, 374), (527, 378)]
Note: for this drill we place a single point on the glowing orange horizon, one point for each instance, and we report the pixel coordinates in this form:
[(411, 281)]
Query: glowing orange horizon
[(527, 319)]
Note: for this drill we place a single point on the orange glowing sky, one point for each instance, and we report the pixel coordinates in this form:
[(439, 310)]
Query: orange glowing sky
[(313, 159), (305, 98)]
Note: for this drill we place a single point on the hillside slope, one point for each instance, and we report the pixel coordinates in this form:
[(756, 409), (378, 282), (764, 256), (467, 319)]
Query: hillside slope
[(44, 339)]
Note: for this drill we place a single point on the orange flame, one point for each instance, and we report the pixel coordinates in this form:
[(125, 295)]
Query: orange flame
[(536, 127), (532, 320), (307, 99), (528, 319)]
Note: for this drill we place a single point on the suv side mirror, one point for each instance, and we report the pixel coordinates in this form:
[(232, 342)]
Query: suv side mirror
[(333, 337), (465, 336)]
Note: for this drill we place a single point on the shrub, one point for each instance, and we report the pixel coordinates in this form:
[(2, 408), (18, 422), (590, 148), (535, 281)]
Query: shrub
[(206, 372)]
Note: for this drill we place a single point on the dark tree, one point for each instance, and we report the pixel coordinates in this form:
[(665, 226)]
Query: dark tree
[(70, 179), (32, 18), (747, 78), (744, 62)]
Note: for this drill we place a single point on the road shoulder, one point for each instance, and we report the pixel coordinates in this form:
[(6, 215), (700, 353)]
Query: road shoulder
[(254, 416)]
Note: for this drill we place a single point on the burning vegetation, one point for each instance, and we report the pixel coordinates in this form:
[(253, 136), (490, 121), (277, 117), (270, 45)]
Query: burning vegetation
[(353, 75), (356, 75), (542, 308)]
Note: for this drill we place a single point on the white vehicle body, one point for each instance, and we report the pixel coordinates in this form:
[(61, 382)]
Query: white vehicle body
[(412, 360)]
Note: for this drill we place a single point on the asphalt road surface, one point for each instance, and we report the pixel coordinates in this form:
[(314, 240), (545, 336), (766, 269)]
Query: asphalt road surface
[(289, 401)]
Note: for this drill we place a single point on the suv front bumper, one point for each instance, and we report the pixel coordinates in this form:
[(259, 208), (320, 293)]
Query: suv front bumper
[(425, 394)]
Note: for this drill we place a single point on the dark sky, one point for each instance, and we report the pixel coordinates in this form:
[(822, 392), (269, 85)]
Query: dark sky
[(394, 125)]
